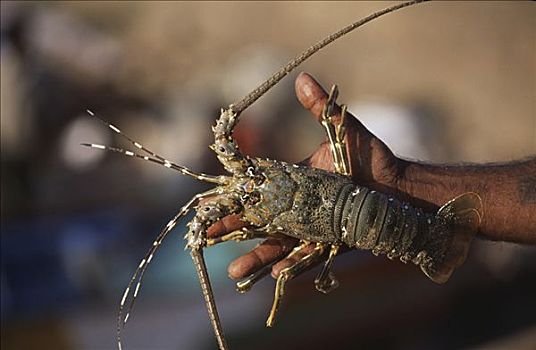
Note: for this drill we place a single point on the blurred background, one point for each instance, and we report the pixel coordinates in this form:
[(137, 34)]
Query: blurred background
[(440, 82)]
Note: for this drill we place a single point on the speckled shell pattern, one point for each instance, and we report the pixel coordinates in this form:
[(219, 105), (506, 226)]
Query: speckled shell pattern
[(320, 206), (310, 214)]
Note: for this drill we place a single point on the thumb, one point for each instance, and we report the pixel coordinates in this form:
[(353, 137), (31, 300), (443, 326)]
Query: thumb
[(313, 97)]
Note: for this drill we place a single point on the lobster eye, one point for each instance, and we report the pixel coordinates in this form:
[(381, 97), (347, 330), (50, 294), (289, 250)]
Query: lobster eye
[(249, 186), (254, 197), (221, 149), (259, 180)]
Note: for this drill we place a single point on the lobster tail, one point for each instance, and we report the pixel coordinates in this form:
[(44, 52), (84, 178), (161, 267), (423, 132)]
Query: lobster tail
[(456, 223)]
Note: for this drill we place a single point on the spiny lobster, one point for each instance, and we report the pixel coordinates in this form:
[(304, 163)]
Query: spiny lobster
[(313, 205)]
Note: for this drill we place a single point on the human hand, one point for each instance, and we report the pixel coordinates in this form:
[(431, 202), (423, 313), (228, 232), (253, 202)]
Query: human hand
[(372, 164)]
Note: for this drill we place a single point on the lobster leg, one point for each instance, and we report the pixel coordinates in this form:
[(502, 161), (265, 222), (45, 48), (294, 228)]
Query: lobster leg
[(325, 282), (238, 236), (340, 145), (248, 282), (291, 272), (242, 235), (335, 132), (245, 284)]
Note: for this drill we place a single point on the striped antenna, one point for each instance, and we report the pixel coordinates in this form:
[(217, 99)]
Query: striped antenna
[(137, 277), (153, 157), (117, 131)]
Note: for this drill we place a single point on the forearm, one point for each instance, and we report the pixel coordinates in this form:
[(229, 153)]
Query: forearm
[(508, 193)]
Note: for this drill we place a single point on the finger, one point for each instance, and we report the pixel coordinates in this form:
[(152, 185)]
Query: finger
[(287, 262), (311, 94), (226, 225), (265, 253), (313, 97), (360, 142)]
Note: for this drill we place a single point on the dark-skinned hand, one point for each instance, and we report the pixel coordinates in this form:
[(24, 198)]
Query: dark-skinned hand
[(372, 164)]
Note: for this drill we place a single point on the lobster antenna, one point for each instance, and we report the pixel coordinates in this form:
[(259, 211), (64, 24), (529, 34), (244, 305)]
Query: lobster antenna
[(117, 131), (221, 180), (144, 263), (208, 295), (154, 157), (244, 103)]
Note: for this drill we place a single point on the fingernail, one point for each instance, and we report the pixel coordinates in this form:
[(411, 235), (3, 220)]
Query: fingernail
[(233, 271)]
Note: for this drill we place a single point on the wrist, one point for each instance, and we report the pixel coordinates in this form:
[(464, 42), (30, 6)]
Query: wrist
[(506, 190), (416, 185), (430, 186)]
